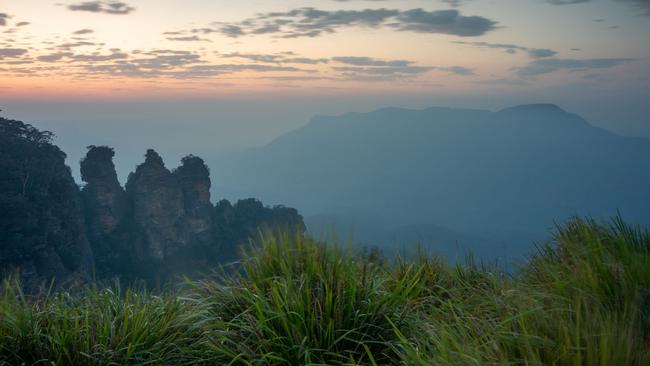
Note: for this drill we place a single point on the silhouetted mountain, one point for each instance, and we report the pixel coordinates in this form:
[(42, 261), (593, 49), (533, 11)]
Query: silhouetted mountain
[(502, 176)]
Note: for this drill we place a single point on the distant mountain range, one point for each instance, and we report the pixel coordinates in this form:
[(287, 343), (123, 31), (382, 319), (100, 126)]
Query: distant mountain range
[(455, 179)]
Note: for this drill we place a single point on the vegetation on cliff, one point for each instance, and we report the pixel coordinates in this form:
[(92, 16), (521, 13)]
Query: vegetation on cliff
[(581, 300), (42, 231)]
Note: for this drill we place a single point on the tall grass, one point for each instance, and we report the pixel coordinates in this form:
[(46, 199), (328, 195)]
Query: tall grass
[(583, 299), (96, 327), (299, 302)]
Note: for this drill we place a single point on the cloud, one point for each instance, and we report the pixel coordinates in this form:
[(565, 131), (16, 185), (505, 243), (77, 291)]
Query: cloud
[(152, 64), (368, 61), (643, 5), (458, 70), (232, 31), (106, 7), (506, 82), (454, 3), (541, 53), (381, 73), (157, 63), (385, 70), (152, 68), (297, 78), (277, 58), (3, 19), (53, 57), (273, 58), (22, 24), (11, 52), (390, 70), (512, 48), (72, 57), (166, 59), (567, 2), (444, 22), (69, 45), (549, 65), (188, 39), (305, 60), (99, 58), (83, 31), (312, 22), (361, 68)]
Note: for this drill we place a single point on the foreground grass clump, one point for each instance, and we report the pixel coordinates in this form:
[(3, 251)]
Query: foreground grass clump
[(583, 299), (298, 302)]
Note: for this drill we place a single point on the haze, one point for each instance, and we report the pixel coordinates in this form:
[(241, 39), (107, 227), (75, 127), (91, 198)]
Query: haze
[(214, 76)]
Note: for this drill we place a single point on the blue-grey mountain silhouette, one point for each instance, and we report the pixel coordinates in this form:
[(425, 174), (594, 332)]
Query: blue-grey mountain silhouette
[(498, 179)]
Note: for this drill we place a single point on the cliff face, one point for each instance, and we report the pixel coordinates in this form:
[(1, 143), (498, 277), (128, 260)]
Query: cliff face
[(105, 207), (193, 177), (103, 195), (42, 233), (156, 208)]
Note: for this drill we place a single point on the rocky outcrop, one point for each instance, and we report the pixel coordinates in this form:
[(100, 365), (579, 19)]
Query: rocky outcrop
[(157, 209), (164, 223), (105, 208), (104, 197), (193, 177)]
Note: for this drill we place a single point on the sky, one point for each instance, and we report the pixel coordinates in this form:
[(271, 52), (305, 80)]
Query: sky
[(213, 76)]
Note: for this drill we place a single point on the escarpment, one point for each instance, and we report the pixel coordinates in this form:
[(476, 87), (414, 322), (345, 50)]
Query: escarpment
[(161, 224)]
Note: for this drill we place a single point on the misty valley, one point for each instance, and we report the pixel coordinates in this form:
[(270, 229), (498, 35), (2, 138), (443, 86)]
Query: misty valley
[(325, 183), (441, 222), (452, 180)]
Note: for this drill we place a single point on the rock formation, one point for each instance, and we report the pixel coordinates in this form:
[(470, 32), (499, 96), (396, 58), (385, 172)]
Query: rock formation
[(193, 177), (105, 197), (160, 225), (105, 207), (156, 208)]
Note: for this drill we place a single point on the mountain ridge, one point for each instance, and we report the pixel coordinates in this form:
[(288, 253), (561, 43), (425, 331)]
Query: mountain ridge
[(456, 168)]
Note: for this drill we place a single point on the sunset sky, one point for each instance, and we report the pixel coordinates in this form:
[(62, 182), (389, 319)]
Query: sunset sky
[(592, 57), (113, 49)]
